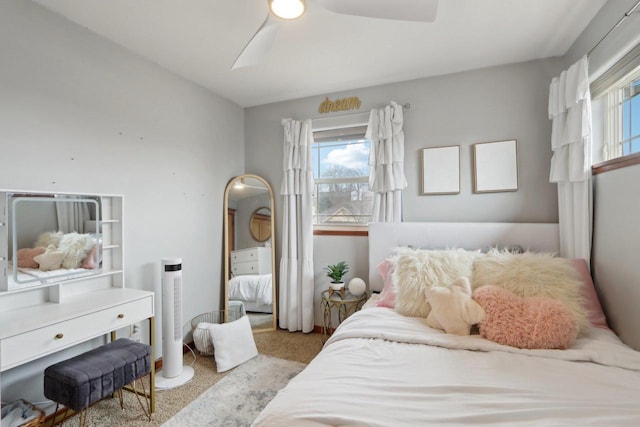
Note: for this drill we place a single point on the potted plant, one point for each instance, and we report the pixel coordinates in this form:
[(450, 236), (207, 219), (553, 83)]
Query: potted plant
[(336, 272)]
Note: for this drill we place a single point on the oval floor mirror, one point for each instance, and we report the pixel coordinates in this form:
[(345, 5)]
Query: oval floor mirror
[(250, 285)]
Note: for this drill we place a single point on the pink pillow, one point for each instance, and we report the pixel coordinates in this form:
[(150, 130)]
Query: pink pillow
[(531, 322), (589, 296), (90, 261), (388, 294), (25, 257)]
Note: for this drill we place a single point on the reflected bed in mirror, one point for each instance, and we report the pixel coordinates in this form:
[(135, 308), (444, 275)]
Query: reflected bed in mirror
[(49, 238), (249, 259)]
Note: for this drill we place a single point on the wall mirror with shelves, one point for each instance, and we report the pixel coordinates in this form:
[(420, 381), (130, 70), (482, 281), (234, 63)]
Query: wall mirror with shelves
[(250, 286), (49, 238)]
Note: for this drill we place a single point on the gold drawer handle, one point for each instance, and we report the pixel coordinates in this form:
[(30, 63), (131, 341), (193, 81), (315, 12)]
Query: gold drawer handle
[(59, 336), (120, 316)]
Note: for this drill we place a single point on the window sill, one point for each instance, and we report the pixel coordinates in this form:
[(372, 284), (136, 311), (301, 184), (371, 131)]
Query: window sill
[(617, 163), (341, 231)]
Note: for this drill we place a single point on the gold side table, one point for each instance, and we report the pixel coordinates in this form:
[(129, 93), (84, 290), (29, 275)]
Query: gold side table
[(345, 305)]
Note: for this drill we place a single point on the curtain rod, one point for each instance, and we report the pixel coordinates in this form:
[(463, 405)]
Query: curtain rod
[(620, 21)]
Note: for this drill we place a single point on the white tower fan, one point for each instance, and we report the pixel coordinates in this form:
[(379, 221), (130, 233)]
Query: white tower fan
[(173, 373)]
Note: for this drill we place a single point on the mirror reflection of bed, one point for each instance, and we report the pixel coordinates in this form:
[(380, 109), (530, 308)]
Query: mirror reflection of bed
[(250, 287), (50, 238)]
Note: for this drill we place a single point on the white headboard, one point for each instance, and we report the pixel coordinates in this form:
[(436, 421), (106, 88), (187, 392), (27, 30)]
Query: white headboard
[(385, 237)]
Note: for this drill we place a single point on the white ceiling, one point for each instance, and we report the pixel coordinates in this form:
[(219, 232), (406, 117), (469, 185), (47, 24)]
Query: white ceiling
[(324, 52)]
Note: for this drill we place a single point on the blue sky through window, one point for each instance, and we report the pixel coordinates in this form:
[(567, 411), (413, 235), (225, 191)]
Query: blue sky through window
[(631, 119), (341, 159)]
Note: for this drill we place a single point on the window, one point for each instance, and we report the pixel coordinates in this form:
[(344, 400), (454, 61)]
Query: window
[(616, 113), (631, 116), (341, 174), (622, 118)]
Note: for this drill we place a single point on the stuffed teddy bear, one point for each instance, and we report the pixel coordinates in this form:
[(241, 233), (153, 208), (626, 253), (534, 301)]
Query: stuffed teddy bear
[(452, 308)]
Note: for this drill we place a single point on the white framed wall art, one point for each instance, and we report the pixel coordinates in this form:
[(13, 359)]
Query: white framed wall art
[(495, 166), (441, 170)]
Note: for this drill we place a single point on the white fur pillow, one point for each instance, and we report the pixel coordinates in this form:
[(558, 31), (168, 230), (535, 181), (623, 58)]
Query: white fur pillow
[(533, 274), (418, 269), (75, 248), (49, 238)]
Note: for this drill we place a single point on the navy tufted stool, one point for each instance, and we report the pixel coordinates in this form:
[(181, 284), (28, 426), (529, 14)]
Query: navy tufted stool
[(82, 380)]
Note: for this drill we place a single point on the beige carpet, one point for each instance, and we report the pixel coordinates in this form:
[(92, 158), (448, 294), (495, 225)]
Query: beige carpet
[(238, 398), (294, 346)]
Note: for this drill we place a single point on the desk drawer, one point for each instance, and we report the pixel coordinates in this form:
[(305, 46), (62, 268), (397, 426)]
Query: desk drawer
[(39, 342)]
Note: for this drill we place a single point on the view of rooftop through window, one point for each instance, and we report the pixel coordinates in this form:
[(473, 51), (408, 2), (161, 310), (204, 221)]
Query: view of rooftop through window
[(341, 173)]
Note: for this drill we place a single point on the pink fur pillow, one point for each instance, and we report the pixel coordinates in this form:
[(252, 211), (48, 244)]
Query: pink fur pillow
[(388, 294), (525, 322), (26, 255)]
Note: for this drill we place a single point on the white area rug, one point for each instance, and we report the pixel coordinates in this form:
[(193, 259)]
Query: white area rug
[(238, 398)]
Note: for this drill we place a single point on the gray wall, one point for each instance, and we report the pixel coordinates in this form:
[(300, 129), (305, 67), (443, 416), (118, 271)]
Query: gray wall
[(490, 104), (616, 235), (80, 114), (616, 245)]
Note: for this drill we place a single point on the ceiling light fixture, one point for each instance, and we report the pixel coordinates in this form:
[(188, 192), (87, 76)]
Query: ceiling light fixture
[(239, 185), (287, 9)]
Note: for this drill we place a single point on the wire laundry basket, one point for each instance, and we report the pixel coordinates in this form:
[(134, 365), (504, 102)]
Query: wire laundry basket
[(200, 327)]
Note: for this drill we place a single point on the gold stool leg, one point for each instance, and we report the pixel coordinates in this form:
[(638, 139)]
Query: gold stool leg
[(147, 398), (55, 413), (64, 416), (82, 421), (120, 398)]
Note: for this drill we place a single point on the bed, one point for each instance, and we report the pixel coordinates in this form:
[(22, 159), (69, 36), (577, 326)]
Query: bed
[(253, 290), (382, 368)]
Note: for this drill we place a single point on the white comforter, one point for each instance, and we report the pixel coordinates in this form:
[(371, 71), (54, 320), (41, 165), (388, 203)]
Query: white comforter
[(251, 287), (383, 369)]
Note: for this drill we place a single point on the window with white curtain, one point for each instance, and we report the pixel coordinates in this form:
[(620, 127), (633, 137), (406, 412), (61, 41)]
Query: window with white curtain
[(341, 173)]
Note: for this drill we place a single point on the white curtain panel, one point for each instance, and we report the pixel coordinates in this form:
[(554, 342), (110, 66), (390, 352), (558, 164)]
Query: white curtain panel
[(72, 215), (296, 265), (386, 162), (570, 112)]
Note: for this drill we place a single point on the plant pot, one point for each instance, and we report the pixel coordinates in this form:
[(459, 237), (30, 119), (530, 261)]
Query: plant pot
[(336, 286)]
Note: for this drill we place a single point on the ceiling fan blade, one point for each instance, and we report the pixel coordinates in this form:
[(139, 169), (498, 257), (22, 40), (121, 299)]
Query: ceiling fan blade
[(259, 45), (400, 10)]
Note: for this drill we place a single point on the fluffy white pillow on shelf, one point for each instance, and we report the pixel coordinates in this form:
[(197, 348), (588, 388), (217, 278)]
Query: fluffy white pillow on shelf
[(75, 247), (233, 343), (49, 238)]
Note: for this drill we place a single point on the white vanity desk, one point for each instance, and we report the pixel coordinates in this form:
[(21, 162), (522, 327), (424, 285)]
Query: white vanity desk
[(43, 318), (32, 332)]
